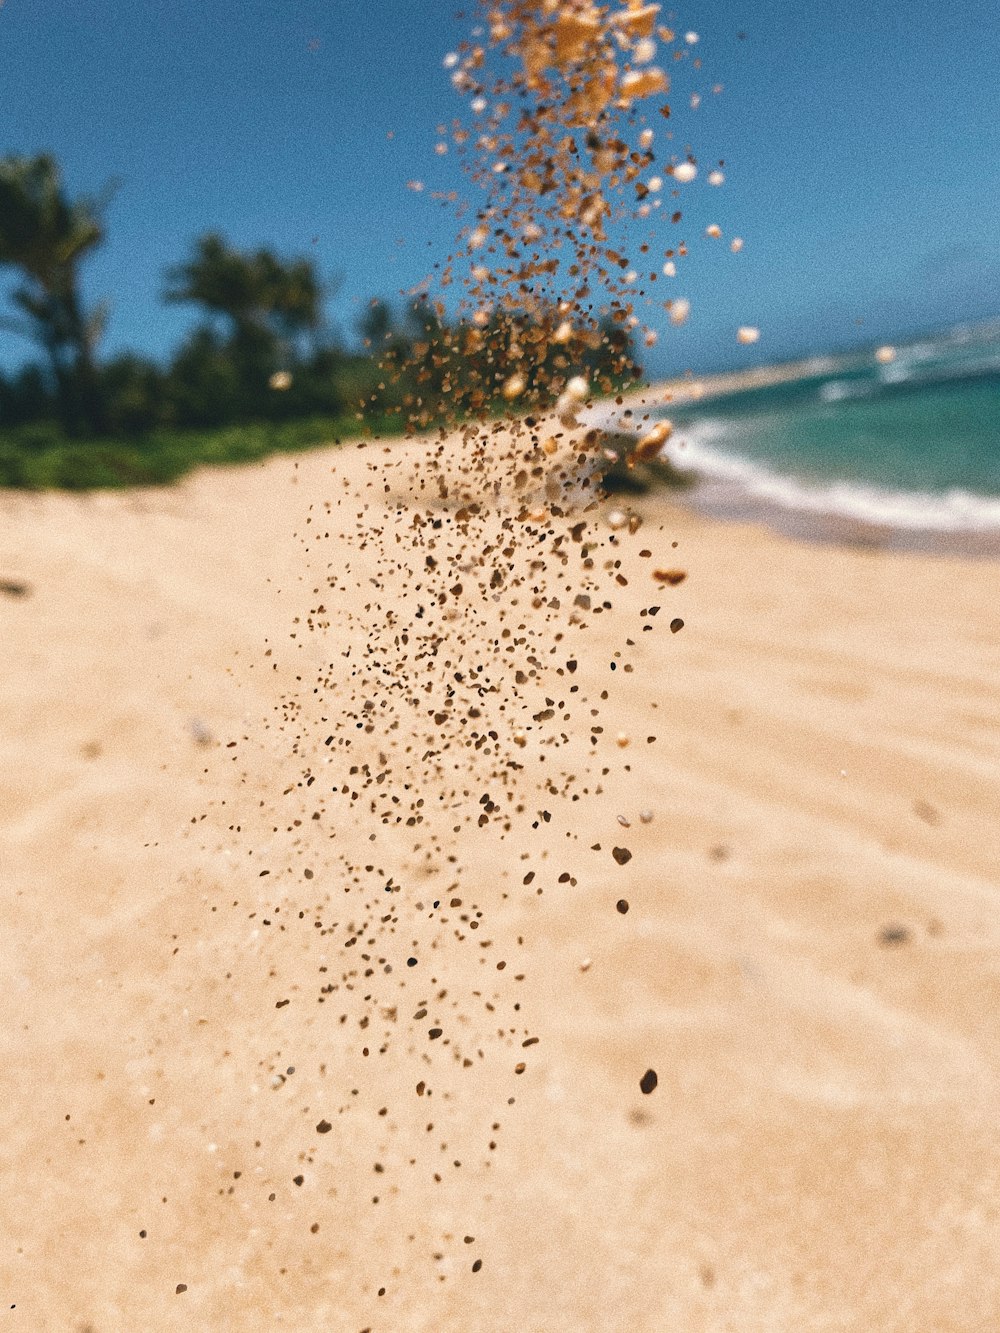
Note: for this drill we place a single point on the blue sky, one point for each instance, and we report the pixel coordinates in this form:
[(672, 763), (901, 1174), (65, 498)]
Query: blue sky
[(861, 148)]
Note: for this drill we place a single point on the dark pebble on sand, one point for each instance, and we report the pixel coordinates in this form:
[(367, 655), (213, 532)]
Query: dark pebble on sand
[(622, 906), (648, 1081), (622, 855), (925, 811), (893, 935), (676, 625), (323, 1127)]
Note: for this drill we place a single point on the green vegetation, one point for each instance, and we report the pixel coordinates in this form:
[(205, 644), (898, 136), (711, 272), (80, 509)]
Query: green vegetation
[(261, 372), (41, 457)]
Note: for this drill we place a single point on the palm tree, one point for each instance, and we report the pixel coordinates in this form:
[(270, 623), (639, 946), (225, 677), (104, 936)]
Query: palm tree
[(294, 297), (269, 304), (45, 235)]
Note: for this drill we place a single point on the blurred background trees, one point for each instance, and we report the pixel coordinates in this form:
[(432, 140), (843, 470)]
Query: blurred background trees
[(270, 312), (263, 351), (44, 237)]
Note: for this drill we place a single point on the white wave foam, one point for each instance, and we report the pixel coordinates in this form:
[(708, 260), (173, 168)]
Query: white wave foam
[(932, 374), (917, 365), (835, 391), (696, 450), (899, 372)]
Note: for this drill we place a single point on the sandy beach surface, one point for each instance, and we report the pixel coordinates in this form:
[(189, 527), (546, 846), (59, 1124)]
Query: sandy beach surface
[(810, 960)]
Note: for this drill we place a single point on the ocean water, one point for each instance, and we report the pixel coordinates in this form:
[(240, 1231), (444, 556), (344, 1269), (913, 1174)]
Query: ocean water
[(910, 444)]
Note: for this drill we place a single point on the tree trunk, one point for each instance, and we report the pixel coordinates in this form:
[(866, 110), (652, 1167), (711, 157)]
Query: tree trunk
[(90, 410), (66, 398)]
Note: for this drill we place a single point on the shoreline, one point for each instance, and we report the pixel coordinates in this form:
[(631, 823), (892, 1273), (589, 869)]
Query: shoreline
[(802, 518), (728, 505)]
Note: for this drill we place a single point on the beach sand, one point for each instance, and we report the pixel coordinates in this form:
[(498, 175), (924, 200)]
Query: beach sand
[(810, 962)]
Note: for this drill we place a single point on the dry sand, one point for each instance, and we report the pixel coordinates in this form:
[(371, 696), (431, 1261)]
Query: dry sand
[(821, 1152)]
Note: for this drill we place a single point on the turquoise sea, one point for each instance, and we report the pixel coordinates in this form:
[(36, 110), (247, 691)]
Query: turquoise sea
[(906, 440)]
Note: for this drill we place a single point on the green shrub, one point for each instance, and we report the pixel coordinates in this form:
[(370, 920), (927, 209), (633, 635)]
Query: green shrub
[(40, 457), (13, 465)]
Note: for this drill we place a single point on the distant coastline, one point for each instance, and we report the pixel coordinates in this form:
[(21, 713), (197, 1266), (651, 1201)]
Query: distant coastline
[(891, 449)]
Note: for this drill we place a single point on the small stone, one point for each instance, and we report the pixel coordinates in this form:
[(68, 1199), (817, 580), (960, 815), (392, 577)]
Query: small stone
[(680, 309), (200, 734), (648, 1081), (622, 855), (653, 441), (893, 935)]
